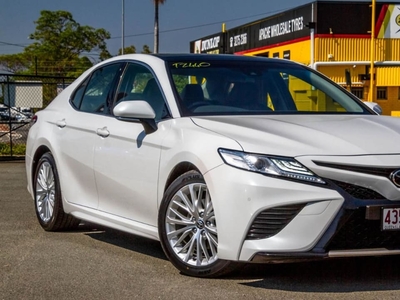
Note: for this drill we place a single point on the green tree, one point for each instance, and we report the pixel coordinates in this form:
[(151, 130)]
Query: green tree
[(81, 64), (60, 41), (104, 55), (146, 49), (132, 49), (156, 30), (15, 63), (127, 50)]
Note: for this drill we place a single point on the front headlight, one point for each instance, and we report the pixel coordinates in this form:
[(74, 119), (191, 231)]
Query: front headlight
[(269, 165)]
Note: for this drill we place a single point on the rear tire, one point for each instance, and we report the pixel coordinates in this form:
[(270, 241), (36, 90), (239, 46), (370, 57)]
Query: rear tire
[(48, 199), (188, 229)]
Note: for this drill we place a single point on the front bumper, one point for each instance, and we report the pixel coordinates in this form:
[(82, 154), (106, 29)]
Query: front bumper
[(332, 222), (265, 257), (240, 196), (354, 232)]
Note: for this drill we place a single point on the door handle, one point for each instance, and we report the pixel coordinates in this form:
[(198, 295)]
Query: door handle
[(103, 132), (61, 123)]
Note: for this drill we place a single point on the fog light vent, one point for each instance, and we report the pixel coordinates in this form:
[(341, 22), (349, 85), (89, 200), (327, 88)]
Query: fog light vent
[(270, 221)]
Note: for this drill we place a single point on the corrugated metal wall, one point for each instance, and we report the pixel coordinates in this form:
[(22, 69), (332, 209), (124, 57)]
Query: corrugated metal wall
[(337, 73), (345, 49), (388, 76), (388, 49), (342, 49)]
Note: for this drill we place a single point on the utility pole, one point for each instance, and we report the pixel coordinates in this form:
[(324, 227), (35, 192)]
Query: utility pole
[(123, 27), (224, 39), (372, 67), (312, 37)]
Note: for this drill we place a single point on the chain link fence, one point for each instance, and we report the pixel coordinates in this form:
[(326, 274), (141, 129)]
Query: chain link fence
[(21, 96)]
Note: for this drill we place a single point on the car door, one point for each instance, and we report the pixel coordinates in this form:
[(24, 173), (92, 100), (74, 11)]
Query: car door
[(76, 130), (126, 159)]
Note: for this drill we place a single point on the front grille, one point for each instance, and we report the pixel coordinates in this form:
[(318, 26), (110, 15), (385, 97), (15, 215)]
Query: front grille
[(269, 222), (359, 192), (371, 170), (358, 233)]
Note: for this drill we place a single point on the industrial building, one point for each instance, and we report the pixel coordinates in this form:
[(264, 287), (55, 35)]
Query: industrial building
[(339, 39)]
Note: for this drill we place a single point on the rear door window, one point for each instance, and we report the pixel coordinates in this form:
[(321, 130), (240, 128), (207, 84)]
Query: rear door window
[(96, 94)]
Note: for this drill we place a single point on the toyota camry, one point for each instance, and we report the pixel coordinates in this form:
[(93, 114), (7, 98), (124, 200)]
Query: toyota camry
[(224, 159)]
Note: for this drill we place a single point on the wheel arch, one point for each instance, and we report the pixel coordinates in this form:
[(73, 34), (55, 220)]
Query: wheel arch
[(38, 154), (178, 170)]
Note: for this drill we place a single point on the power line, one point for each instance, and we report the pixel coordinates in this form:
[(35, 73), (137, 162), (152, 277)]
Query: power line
[(12, 44), (201, 25)]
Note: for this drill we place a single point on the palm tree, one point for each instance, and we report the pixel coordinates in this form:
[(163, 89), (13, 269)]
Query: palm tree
[(156, 4)]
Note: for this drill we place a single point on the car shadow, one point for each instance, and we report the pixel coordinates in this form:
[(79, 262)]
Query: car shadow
[(328, 276), (361, 274), (122, 239)]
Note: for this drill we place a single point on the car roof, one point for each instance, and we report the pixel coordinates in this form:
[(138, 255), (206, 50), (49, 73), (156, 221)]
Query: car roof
[(173, 57), (218, 57)]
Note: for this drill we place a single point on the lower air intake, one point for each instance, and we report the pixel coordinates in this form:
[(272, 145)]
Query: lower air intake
[(270, 221)]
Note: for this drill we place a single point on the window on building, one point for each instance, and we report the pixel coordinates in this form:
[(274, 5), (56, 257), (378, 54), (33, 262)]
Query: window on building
[(358, 92), (265, 54), (398, 97), (381, 93), (286, 54)]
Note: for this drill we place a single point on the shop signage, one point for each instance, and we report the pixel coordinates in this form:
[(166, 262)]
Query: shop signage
[(281, 28), (210, 44), (389, 22), (276, 29)]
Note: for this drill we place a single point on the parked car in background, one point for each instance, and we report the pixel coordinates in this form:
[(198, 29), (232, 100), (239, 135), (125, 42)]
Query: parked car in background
[(15, 114), (3, 111), (27, 112), (223, 159)]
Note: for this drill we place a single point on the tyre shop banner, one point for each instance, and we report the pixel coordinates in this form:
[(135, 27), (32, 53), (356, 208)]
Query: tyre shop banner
[(275, 29)]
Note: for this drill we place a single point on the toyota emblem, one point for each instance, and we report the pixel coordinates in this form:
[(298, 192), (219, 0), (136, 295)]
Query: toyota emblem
[(395, 177)]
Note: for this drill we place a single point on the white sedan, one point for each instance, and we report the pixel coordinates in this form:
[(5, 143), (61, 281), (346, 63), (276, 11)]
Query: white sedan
[(223, 159)]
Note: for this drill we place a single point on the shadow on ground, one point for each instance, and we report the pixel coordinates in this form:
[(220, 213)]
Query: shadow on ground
[(122, 239), (327, 276)]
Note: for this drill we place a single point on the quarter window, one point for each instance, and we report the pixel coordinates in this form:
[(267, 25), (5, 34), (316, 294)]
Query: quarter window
[(77, 97), (96, 94)]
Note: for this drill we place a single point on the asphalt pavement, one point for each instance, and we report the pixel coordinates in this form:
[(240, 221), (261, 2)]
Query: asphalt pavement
[(98, 263)]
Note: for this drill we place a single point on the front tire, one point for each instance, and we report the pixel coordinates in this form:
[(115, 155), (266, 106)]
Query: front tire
[(48, 199), (188, 228)]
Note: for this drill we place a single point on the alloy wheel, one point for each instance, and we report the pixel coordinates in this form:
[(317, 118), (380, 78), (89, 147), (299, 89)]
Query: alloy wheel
[(191, 226), (45, 192)]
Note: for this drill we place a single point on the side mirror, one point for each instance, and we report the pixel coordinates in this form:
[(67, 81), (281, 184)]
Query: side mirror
[(374, 106), (130, 111)]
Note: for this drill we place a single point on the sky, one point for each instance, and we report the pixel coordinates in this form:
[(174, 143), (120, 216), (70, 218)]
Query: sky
[(180, 21)]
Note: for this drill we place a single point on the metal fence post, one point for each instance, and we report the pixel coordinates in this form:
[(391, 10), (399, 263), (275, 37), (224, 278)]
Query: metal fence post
[(9, 115)]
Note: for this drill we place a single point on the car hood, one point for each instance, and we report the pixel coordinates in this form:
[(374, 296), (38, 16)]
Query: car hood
[(296, 135)]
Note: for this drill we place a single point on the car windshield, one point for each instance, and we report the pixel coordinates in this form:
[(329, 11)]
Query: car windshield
[(233, 87)]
